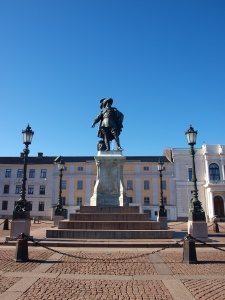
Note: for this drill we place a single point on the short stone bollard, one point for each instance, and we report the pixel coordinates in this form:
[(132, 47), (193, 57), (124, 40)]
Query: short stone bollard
[(189, 251), (6, 224), (21, 254), (215, 226)]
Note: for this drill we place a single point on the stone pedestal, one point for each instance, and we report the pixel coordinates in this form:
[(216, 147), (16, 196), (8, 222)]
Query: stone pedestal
[(20, 224), (56, 220), (162, 221), (18, 227), (198, 229), (109, 189)]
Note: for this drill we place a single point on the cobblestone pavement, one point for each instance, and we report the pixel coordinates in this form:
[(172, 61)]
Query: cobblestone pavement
[(110, 273)]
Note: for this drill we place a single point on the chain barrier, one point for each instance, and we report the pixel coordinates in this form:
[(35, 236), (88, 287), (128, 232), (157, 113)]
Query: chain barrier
[(220, 226), (204, 243), (210, 225), (36, 243)]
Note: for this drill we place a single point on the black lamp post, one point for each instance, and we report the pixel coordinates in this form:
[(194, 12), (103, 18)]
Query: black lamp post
[(196, 212), (61, 165), (162, 210), (22, 205)]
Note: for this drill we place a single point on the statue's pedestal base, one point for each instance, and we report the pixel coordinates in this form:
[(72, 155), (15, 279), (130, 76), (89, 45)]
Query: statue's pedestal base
[(109, 188), (198, 229)]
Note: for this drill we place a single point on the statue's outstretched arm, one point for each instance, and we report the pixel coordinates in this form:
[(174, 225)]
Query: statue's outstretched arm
[(96, 120)]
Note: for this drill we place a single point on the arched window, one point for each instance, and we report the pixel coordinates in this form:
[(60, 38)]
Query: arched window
[(214, 172)]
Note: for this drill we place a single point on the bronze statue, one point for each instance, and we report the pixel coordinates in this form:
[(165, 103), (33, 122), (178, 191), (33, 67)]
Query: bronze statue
[(111, 124)]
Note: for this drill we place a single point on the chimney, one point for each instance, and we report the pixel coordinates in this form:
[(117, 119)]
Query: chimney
[(21, 154), (40, 154)]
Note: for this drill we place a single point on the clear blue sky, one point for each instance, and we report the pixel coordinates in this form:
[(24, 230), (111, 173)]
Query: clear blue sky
[(162, 61)]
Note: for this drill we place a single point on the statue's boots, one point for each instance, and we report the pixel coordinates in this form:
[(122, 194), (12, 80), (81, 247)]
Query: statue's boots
[(118, 143)]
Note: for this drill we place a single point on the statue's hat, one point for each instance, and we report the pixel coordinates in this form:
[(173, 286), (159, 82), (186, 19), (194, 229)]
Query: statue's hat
[(104, 101)]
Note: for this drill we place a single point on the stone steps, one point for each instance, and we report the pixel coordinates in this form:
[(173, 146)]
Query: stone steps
[(109, 217), (109, 225), (108, 234), (108, 222), (109, 209)]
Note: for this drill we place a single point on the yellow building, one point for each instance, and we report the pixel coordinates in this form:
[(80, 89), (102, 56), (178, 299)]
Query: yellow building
[(140, 176)]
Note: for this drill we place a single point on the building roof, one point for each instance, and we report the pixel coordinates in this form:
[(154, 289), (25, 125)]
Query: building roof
[(42, 160)]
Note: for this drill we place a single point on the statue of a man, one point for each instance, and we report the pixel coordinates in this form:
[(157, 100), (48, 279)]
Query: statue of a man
[(111, 123)]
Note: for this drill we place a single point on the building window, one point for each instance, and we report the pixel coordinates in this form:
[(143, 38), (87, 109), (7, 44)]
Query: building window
[(130, 199), (146, 200), (41, 206), (30, 189), (18, 189), (164, 184), (8, 173), (146, 168), (31, 173), (129, 185), (19, 173), (4, 205), (189, 174), (30, 205), (6, 189), (79, 184), (63, 185), (79, 200), (214, 172), (63, 200), (146, 184), (42, 190), (164, 200), (80, 168), (43, 173)]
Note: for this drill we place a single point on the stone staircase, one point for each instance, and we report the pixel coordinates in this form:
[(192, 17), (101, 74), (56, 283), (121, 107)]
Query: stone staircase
[(108, 222)]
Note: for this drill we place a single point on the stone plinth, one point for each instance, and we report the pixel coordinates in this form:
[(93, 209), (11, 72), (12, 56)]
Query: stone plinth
[(109, 189), (56, 220), (162, 221), (20, 224), (198, 229), (18, 227)]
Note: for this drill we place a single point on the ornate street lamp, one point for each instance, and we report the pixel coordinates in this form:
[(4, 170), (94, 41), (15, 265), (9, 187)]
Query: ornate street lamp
[(22, 205), (61, 165), (196, 212), (162, 211)]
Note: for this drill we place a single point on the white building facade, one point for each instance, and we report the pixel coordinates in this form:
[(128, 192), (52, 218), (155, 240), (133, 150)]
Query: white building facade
[(210, 173)]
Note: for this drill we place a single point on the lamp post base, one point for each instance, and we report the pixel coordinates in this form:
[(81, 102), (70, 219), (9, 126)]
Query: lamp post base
[(56, 220), (20, 226), (196, 216), (21, 215), (163, 222), (20, 223), (198, 229)]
